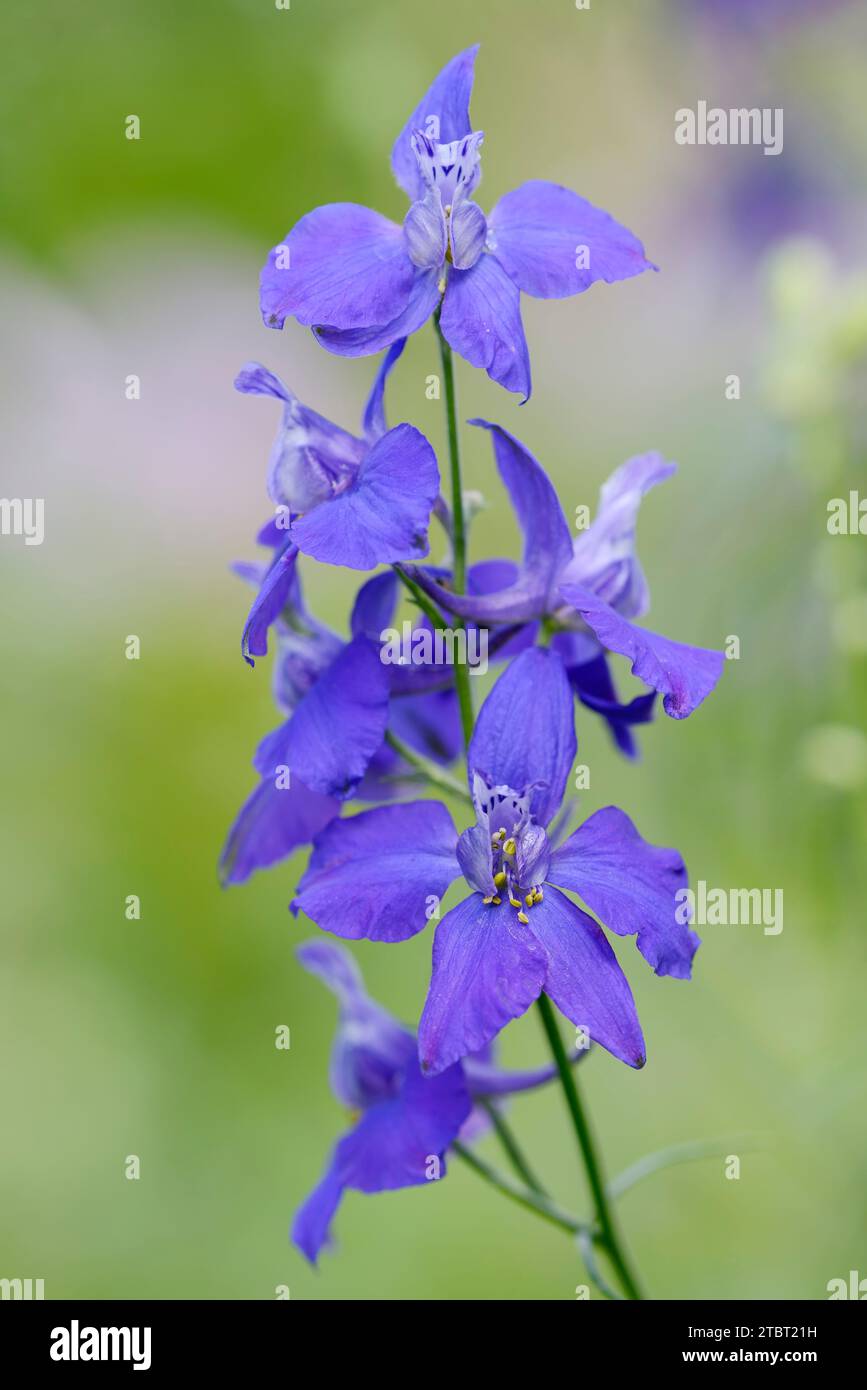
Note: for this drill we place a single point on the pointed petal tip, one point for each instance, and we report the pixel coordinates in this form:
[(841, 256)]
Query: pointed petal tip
[(432, 1067), (465, 56), (684, 675), (311, 1255)]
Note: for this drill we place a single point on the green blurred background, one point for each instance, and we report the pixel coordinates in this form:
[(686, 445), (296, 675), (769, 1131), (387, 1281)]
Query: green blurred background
[(156, 1037)]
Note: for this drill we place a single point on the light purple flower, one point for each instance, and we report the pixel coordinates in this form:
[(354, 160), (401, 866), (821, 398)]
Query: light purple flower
[(383, 874), (345, 500), (593, 586), (362, 282)]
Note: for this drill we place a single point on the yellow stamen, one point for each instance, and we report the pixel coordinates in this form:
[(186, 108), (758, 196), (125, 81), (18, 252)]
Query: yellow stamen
[(516, 902), (496, 901), (509, 848), (530, 899), (523, 918), (489, 900), (539, 895), (500, 878)]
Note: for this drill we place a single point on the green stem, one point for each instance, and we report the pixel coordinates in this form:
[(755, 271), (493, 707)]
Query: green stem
[(677, 1153), (431, 770), (588, 1254), (459, 535), (607, 1235), (419, 596), (533, 1201), (510, 1145), (462, 676)]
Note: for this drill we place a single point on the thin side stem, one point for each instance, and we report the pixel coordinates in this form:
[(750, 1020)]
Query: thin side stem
[(462, 675), (532, 1201), (678, 1153), (511, 1146), (608, 1235), (588, 1255), (427, 605), (429, 769)]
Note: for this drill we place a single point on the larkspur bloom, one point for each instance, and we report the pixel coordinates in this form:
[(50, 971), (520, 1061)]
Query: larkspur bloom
[(340, 700), (404, 1121), (378, 874), (362, 282), (592, 587), (345, 500)]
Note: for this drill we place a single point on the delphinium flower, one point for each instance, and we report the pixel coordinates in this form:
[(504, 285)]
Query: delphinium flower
[(362, 282), (590, 588), (340, 703), (376, 875), (403, 1122), (343, 499)]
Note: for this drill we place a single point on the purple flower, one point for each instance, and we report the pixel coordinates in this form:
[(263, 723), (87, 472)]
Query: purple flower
[(362, 282), (359, 502), (382, 875), (405, 1121), (339, 699), (593, 587)]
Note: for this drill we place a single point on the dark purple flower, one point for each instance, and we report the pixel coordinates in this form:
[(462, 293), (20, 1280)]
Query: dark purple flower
[(362, 282), (593, 587), (345, 500), (339, 700), (382, 875), (405, 1121)]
